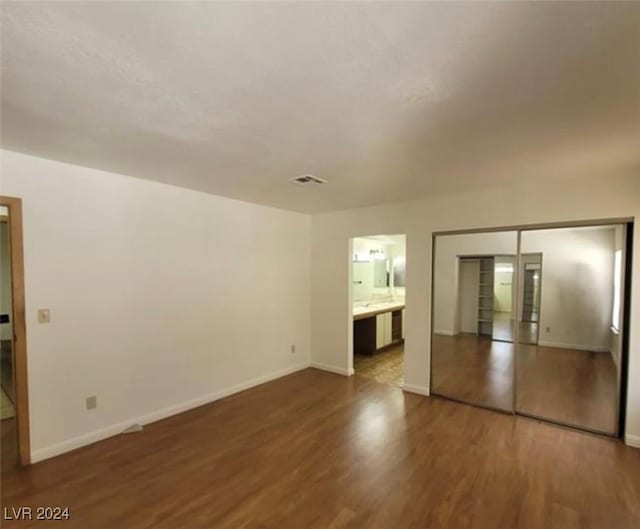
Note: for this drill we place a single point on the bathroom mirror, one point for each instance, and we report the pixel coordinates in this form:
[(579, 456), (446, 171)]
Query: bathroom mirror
[(380, 273)]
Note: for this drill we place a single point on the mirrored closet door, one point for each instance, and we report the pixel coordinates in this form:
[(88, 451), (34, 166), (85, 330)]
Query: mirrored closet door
[(568, 356), (474, 318), (531, 322)]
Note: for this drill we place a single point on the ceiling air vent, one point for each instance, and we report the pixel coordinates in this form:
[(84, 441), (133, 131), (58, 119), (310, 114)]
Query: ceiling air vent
[(307, 179)]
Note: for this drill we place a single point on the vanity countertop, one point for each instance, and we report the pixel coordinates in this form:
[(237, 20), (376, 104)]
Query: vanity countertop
[(361, 312)]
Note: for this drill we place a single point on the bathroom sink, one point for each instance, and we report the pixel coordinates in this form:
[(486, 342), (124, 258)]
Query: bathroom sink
[(374, 306)]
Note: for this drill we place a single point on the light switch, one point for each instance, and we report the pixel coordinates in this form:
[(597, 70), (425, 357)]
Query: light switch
[(44, 316)]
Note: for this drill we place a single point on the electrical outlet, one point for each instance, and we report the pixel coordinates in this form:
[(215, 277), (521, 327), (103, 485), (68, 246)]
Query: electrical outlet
[(92, 402), (44, 315), (293, 349)]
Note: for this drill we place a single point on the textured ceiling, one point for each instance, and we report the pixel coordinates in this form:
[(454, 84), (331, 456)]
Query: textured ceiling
[(386, 101)]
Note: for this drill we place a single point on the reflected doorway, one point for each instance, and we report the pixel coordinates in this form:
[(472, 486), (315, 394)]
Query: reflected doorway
[(15, 447), (530, 292), (503, 301), (7, 385)]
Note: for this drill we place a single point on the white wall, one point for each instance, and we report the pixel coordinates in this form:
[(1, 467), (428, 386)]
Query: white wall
[(577, 286), (531, 202), (161, 298)]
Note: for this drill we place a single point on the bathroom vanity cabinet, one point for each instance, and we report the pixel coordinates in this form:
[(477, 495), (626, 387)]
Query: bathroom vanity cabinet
[(377, 328)]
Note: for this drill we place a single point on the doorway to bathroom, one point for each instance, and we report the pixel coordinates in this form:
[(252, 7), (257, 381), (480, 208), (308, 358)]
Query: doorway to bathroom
[(14, 423), (7, 394), (378, 277)]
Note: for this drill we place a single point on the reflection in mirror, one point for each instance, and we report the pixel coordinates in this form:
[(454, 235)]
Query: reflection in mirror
[(502, 301), (530, 289), (568, 361), (473, 313), (399, 272), (7, 393), (380, 271)]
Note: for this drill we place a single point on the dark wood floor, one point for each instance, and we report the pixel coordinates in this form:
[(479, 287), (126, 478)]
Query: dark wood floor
[(569, 386), (319, 451), (503, 331), (9, 446), (578, 388), (6, 377), (474, 369)]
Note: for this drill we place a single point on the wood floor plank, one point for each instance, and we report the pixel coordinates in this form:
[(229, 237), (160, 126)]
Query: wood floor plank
[(576, 388), (317, 450)]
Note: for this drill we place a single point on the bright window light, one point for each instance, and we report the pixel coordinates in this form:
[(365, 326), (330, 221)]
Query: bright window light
[(617, 284)]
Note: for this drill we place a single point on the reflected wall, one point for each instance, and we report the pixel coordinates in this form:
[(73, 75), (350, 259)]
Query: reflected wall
[(570, 373)]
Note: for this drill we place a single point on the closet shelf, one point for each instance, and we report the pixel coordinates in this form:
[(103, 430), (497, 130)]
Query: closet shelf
[(485, 280)]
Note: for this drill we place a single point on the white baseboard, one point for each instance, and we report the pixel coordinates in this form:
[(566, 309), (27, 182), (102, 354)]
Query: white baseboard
[(420, 390), (115, 429), (577, 347), (444, 333), (333, 369), (632, 440)]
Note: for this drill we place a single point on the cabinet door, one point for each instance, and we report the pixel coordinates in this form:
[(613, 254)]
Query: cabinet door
[(387, 328), (402, 324), (396, 325), (379, 331)]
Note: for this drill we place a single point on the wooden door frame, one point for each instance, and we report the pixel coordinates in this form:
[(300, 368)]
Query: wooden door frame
[(19, 346), (520, 314)]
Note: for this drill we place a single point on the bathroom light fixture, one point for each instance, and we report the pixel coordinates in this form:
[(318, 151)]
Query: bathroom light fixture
[(378, 255), (307, 179)]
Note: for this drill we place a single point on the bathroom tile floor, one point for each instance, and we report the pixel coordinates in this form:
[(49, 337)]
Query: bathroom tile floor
[(386, 366)]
